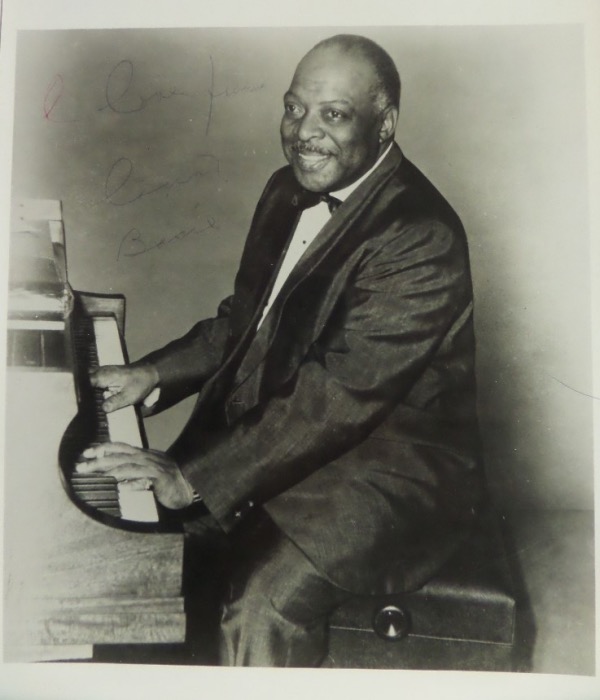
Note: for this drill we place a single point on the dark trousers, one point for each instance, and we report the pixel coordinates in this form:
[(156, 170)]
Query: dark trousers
[(274, 604)]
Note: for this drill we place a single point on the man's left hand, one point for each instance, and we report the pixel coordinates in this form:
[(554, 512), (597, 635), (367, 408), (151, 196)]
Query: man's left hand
[(142, 467)]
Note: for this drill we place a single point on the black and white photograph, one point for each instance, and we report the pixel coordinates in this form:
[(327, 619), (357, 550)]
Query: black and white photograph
[(299, 353)]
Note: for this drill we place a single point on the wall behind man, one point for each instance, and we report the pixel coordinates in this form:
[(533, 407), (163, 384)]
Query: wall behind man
[(159, 143)]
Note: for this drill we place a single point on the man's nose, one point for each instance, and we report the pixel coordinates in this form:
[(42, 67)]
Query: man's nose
[(310, 127)]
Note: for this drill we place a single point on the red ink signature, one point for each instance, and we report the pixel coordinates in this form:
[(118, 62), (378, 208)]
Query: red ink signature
[(53, 95)]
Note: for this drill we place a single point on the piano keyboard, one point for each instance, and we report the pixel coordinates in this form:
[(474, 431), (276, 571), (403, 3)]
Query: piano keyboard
[(104, 493)]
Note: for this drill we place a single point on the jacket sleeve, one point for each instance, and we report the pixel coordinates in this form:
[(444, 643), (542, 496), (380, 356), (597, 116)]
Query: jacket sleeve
[(403, 300), (184, 364)]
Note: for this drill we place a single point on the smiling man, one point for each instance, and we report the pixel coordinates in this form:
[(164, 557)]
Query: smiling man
[(334, 439)]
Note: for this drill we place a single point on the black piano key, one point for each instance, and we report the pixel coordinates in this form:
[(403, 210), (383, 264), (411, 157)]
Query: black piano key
[(101, 504), (115, 512), (91, 479), (82, 487), (101, 494), (101, 497), (98, 494)]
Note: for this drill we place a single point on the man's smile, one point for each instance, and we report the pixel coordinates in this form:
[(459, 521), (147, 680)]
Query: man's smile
[(310, 159)]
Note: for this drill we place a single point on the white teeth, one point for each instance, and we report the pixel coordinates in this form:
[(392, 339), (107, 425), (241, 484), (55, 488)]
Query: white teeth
[(312, 159)]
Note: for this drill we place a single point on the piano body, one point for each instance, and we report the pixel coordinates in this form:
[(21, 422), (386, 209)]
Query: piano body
[(84, 563)]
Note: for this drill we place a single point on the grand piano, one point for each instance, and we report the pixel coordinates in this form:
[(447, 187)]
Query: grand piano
[(86, 561)]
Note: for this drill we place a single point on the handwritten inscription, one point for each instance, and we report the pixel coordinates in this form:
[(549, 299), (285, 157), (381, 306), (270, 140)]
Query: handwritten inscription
[(122, 99), (135, 242), (227, 92), (52, 97), (124, 184), (122, 187)]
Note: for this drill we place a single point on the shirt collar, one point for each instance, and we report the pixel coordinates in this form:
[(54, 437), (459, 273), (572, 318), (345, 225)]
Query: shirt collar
[(345, 192)]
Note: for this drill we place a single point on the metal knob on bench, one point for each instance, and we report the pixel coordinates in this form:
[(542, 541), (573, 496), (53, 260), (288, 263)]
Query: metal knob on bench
[(391, 623)]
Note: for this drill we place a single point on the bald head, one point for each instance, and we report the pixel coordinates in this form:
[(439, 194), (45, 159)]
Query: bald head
[(386, 85)]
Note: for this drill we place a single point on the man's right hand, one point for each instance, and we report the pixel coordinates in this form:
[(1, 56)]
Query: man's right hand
[(124, 385)]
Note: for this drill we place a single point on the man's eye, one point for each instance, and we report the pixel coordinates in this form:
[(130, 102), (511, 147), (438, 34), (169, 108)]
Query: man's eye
[(292, 108), (335, 115)]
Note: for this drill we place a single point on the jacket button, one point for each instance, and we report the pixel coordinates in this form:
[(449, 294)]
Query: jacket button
[(243, 509)]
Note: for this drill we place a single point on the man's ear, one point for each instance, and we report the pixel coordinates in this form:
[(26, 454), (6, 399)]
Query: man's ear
[(388, 123)]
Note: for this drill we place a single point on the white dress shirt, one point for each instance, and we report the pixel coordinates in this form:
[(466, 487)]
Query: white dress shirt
[(309, 226)]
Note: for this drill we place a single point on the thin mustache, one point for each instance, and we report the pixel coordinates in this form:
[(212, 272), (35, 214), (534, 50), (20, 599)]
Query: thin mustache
[(301, 147)]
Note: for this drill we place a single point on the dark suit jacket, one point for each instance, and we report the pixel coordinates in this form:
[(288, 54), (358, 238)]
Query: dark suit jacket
[(350, 415)]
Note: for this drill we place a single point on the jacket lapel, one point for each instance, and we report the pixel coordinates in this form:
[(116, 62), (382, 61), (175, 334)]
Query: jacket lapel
[(249, 375)]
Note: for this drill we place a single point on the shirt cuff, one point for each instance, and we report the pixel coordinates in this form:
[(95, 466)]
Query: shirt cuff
[(152, 398)]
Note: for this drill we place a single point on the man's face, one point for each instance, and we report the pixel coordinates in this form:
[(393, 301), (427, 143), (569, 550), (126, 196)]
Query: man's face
[(330, 125)]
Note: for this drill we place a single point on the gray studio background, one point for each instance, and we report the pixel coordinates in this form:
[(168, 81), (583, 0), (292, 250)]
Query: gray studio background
[(159, 143)]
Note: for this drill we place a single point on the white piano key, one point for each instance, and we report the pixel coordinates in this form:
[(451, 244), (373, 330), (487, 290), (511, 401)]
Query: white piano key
[(122, 424), (137, 505)]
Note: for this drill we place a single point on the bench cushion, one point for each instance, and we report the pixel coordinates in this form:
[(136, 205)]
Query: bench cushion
[(470, 600)]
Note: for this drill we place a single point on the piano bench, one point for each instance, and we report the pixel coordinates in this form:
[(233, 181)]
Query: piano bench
[(461, 619)]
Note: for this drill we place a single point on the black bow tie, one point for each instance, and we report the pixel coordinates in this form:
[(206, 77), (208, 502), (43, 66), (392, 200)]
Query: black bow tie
[(306, 200), (332, 202)]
